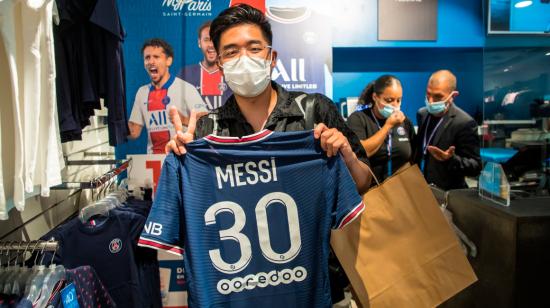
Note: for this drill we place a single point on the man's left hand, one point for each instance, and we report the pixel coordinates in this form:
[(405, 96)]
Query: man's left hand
[(441, 155), (332, 141)]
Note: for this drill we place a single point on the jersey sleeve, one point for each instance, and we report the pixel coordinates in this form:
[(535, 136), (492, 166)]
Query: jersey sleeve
[(347, 203), (162, 228), (136, 223), (136, 116)]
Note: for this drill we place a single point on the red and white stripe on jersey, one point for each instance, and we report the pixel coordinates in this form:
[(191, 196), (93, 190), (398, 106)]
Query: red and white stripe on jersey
[(352, 215), (149, 243)]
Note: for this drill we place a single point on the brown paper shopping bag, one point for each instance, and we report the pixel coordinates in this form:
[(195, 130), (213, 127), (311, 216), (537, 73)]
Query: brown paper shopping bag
[(402, 252)]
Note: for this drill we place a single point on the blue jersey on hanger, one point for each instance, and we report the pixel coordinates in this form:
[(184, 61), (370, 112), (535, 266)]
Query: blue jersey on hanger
[(254, 216)]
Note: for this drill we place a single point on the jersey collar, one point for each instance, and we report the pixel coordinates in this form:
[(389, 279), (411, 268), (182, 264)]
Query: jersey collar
[(166, 85)]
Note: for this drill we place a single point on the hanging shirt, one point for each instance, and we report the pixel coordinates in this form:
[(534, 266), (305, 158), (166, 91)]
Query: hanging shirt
[(364, 124), (211, 85), (90, 66), (151, 110), (254, 216), (27, 34), (146, 259), (108, 245)]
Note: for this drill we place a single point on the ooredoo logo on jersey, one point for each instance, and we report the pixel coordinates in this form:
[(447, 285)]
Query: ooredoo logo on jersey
[(261, 280), (187, 8)]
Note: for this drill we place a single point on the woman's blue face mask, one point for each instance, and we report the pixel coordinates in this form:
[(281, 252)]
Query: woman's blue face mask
[(387, 111)]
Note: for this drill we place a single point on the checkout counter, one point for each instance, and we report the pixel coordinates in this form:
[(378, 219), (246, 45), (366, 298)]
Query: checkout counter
[(513, 242), (513, 250)]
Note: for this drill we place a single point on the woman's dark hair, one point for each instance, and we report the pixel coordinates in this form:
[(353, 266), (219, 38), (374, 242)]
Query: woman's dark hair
[(158, 42), (238, 15), (377, 86)]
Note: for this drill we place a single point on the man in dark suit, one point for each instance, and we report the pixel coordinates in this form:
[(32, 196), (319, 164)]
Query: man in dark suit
[(448, 144)]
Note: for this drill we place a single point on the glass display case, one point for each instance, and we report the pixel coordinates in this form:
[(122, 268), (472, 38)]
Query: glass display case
[(516, 109)]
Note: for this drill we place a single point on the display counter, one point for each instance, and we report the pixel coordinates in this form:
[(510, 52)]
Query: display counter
[(513, 250)]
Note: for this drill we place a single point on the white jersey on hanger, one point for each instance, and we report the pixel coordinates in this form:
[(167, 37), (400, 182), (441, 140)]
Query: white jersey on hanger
[(27, 34)]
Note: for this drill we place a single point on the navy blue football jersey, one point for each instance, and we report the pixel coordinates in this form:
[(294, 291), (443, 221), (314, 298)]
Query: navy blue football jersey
[(304, 46), (254, 216)]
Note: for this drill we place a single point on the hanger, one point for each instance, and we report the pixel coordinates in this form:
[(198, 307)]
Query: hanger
[(8, 269), (19, 284), (100, 207), (1, 267), (16, 271), (54, 274), (34, 270), (35, 286)]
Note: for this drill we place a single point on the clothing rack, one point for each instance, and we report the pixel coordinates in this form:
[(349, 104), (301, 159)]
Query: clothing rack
[(98, 181), (25, 246)]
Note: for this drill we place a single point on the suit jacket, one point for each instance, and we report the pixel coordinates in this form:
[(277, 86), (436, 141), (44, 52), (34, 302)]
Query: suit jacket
[(457, 129)]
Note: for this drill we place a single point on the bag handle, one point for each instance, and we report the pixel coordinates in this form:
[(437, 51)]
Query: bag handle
[(403, 168), (374, 176)]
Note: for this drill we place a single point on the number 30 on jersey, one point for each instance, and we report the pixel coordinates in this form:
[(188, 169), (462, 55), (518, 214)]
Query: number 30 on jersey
[(234, 232)]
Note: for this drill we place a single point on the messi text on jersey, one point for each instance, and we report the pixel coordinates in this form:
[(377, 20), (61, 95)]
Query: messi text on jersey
[(248, 173)]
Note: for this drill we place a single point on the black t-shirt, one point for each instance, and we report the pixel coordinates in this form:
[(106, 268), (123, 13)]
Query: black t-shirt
[(287, 116), (364, 125)]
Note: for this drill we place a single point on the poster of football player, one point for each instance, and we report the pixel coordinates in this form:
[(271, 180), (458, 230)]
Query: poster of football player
[(206, 76), (179, 76)]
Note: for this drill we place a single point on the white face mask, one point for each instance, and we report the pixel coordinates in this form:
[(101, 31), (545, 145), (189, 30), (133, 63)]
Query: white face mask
[(247, 76)]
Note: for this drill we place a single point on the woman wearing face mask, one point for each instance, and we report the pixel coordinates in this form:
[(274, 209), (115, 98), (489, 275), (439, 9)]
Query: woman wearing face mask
[(385, 133)]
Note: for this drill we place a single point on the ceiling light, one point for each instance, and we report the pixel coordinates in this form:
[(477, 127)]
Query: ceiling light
[(506, 70), (547, 54), (522, 4)]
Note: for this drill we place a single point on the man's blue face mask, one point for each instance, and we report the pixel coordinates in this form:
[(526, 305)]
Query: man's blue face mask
[(437, 107)]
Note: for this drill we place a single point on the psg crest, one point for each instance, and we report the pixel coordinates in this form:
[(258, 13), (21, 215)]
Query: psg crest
[(115, 245), (222, 86), (166, 100)]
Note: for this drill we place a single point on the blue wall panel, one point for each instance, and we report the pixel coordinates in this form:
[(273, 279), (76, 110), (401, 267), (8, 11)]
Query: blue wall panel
[(460, 24)]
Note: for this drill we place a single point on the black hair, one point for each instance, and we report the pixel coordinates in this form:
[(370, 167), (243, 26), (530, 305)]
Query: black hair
[(377, 86), (238, 15), (158, 42), (204, 25)]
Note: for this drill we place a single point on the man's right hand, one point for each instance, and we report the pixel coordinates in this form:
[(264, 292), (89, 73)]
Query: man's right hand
[(180, 139), (395, 119)]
